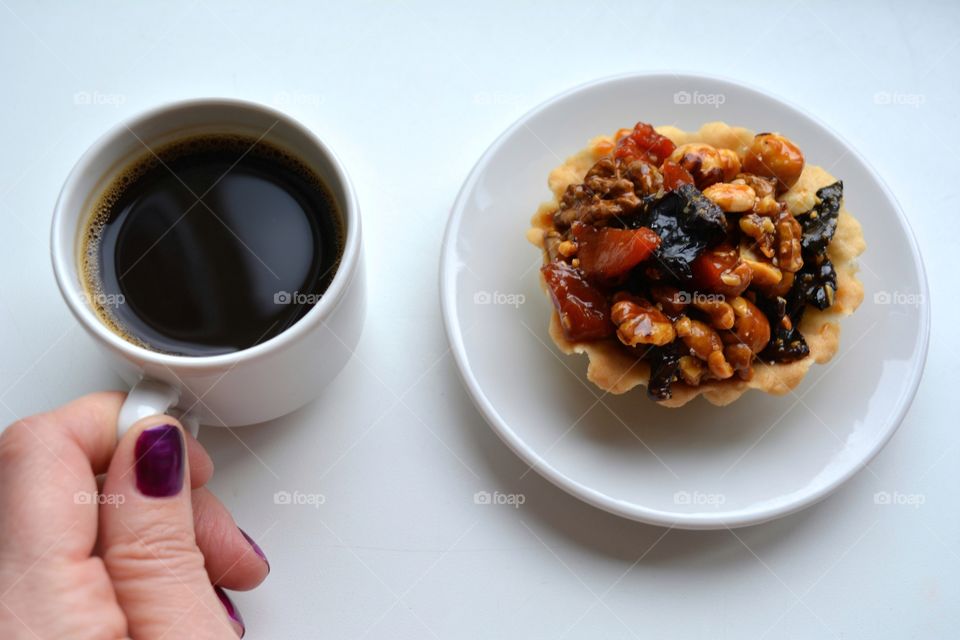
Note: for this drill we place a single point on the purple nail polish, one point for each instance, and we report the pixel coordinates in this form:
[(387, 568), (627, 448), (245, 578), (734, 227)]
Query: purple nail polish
[(256, 548), (159, 461), (231, 610)]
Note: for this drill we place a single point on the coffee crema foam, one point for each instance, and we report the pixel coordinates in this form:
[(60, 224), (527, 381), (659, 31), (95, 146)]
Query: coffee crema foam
[(103, 302)]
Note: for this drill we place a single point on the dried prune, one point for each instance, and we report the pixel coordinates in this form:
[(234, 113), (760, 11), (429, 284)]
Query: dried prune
[(687, 223), (584, 311), (786, 342), (816, 282), (820, 223), (664, 365)]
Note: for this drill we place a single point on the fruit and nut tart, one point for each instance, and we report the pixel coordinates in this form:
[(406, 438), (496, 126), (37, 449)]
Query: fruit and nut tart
[(697, 263)]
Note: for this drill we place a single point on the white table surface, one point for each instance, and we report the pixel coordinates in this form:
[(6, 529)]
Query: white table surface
[(410, 94)]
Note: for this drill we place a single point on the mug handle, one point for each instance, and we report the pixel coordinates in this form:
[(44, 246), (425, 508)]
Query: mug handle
[(152, 398)]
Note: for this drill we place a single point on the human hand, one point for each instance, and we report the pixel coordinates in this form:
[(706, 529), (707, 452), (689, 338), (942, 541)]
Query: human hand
[(147, 559)]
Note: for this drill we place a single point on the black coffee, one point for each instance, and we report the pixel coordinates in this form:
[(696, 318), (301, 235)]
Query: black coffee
[(213, 245)]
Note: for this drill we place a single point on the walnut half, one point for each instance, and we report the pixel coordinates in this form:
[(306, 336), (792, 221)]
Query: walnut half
[(608, 191), (789, 235), (639, 322)]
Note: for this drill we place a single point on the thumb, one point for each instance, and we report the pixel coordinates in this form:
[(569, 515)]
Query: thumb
[(148, 543)]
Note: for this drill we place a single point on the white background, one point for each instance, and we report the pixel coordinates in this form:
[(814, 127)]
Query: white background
[(410, 94)]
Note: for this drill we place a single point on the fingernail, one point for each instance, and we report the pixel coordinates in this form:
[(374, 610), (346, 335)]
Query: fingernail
[(231, 610), (159, 461), (256, 548)]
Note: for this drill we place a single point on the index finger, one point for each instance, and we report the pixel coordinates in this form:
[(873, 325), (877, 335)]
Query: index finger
[(48, 488), (48, 468)]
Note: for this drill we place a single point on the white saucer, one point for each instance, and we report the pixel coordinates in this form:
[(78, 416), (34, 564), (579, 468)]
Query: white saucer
[(700, 466)]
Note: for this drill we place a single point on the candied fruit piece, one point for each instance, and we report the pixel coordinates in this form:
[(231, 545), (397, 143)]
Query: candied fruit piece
[(721, 270), (674, 175), (645, 142), (583, 309), (606, 253)]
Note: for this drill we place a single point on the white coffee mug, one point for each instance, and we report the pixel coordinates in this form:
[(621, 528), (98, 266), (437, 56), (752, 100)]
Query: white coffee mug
[(256, 384)]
